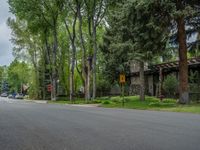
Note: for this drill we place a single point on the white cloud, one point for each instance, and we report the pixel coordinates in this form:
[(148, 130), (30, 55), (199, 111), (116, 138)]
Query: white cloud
[(5, 35)]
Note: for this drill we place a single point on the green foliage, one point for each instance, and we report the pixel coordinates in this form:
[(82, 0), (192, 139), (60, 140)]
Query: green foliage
[(160, 104), (135, 30), (170, 85), (134, 34), (18, 74), (116, 99), (106, 102), (3, 77), (103, 98), (135, 103), (103, 86), (168, 100), (97, 101), (194, 82), (34, 89), (194, 77)]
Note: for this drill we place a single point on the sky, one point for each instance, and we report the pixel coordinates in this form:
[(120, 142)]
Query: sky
[(5, 35)]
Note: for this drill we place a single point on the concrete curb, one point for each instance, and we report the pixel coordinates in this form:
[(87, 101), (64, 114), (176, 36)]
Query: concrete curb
[(40, 102), (37, 101), (83, 105)]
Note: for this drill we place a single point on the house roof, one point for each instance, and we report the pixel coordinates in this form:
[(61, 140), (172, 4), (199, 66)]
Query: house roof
[(175, 64), (167, 67)]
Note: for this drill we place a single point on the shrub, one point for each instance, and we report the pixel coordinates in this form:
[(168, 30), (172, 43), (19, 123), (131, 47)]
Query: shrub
[(97, 101), (115, 99), (103, 87), (120, 99), (169, 101), (160, 104), (152, 99), (106, 102), (170, 85), (104, 98)]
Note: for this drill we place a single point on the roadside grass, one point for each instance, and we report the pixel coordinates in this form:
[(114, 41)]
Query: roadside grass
[(152, 103), (133, 102), (192, 108), (76, 101)]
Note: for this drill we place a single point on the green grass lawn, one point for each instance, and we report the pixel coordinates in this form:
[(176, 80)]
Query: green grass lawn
[(133, 102), (76, 101), (193, 108), (151, 103)]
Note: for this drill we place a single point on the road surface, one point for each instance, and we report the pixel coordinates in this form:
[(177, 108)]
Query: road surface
[(31, 126)]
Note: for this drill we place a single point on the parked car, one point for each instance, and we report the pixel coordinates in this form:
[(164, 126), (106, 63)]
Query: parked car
[(11, 96), (4, 95), (19, 96)]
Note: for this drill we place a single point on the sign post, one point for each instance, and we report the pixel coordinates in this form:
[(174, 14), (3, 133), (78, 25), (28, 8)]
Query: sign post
[(49, 87), (122, 80)]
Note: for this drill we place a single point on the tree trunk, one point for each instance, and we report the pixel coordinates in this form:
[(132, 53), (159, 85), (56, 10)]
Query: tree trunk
[(89, 60), (160, 83), (43, 81), (48, 54), (88, 85), (94, 63), (142, 82), (37, 83), (72, 36), (88, 78), (54, 72), (69, 76), (34, 62), (72, 71), (183, 64), (84, 58)]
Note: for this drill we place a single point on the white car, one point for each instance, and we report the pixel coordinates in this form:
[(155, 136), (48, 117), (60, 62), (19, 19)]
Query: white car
[(19, 96), (4, 95)]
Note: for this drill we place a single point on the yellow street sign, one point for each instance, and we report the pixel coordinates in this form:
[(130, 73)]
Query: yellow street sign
[(122, 78)]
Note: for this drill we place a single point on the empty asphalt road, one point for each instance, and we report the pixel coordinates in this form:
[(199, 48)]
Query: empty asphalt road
[(31, 126)]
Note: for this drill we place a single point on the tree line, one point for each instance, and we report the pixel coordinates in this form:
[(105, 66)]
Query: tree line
[(89, 42)]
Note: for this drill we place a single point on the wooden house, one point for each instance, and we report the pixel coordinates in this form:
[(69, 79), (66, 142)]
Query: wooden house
[(156, 74)]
